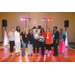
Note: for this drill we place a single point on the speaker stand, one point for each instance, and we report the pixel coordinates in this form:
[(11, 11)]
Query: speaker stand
[(66, 41), (5, 43)]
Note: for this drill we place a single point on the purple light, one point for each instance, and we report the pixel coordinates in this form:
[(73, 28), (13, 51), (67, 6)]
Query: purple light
[(24, 19), (45, 19)]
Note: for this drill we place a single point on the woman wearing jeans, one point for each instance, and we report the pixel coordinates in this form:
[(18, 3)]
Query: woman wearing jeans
[(23, 36)]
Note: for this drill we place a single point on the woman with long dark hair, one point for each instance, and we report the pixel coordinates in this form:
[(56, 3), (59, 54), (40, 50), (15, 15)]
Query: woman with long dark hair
[(41, 40), (17, 41)]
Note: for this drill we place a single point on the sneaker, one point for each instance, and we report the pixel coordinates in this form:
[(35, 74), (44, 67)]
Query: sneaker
[(34, 53), (23, 54), (19, 53), (38, 54), (11, 53)]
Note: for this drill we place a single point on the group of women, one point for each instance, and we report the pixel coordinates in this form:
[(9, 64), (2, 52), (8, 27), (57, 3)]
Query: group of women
[(36, 38)]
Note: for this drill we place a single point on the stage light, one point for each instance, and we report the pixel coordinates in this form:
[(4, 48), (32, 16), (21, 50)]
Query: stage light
[(43, 19), (27, 19), (21, 19), (50, 19), (47, 19)]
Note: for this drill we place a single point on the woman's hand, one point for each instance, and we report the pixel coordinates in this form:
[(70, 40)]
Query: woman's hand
[(60, 39), (22, 42)]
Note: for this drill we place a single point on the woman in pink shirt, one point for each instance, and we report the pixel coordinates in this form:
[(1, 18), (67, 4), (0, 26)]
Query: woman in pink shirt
[(11, 39)]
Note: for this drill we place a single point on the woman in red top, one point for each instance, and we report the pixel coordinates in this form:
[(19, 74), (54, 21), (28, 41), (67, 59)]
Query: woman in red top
[(48, 40), (41, 40)]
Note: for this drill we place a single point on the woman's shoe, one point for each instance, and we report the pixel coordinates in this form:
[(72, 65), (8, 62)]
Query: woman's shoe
[(34, 53), (38, 54), (19, 53)]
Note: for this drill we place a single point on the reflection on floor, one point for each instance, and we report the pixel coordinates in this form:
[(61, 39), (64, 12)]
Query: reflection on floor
[(5, 56)]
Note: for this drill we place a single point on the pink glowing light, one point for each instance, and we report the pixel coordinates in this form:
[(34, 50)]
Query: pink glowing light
[(21, 19), (42, 19)]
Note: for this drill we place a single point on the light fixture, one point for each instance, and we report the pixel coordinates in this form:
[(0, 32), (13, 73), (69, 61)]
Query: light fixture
[(50, 19), (21, 19)]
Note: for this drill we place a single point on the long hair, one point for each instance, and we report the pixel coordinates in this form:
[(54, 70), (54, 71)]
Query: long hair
[(17, 29), (23, 31), (41, 30)]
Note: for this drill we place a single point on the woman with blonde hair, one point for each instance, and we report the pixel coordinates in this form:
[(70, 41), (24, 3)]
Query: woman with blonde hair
[(23, 37), (11, 39)]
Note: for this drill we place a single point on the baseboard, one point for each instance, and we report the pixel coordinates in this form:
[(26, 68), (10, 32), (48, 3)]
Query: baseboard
[(71, 42)]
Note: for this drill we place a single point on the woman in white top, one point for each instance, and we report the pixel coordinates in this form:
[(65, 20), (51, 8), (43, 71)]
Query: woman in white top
[(17, 41)]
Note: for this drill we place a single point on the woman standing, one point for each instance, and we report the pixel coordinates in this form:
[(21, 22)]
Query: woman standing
[(62, 37), (41, 40), (17, 41), (48, 40), (23, 36), (11, 39), (30, 39), (55, 40)]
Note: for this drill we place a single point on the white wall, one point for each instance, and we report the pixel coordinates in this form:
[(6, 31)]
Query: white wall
[(14, 19)]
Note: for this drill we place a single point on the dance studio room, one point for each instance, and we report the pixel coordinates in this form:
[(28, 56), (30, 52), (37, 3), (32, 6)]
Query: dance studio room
[(37, 37)]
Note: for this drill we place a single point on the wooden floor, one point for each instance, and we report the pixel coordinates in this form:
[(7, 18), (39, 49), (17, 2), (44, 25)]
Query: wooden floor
[(5, 56)]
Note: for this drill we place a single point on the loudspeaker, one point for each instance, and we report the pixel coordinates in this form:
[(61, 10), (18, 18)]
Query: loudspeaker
[(66, 23), (4, 23)]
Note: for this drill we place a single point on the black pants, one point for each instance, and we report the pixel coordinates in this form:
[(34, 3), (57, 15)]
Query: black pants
[(42, 47), (48, 47), (55, 48), (36, 45), (11, 46)]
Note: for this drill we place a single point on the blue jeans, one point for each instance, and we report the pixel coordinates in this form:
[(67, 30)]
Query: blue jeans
[(23, 48)]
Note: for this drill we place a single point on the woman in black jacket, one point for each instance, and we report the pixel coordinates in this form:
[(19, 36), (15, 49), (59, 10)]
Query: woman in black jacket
[(55, 40), (30, 39)]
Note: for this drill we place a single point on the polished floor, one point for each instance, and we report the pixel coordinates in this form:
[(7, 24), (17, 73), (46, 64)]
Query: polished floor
[(5, 56)]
